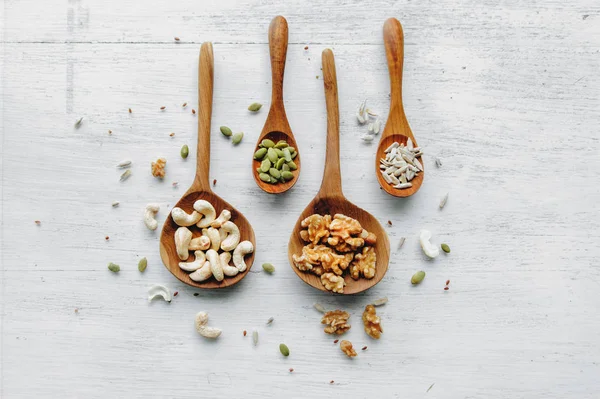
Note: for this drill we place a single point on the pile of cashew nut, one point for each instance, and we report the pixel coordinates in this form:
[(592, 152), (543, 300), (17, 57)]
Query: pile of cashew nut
[(214, 249)]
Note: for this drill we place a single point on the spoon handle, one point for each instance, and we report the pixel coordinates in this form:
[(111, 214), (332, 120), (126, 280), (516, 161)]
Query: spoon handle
[(278, 44), (205, 99), (332, 179), (393, 36)]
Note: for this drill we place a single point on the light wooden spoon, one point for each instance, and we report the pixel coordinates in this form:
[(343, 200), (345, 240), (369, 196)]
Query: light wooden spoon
[(331, 200), (277, 126), (200, 188), (396, 127)]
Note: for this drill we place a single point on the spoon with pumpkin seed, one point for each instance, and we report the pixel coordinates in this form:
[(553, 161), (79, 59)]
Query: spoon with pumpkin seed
[(276, 163)]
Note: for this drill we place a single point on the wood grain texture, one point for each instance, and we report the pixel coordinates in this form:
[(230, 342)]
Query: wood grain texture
[(504, 93), (330, 200)]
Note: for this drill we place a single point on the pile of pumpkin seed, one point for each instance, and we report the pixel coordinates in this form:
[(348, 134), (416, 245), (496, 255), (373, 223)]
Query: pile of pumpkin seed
[(276, 161)]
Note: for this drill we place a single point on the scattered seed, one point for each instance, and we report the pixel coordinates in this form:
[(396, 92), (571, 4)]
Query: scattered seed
[(162, 108), (78, 122), (237, 138), (389, 222), (446, 288), (185, 151), (171, 134), (76, 310), (110, 132), (271, 319), (305, 47), (176, 39), (175, 293), (331, 382), (364, 348), (114, 267), (417, 278), (431, 386), (244, 333), (226, 131), (115, 204), (380, 301), (193, 111), (142, 264), (317, 77), (130, 111), (107, 238), (175, 184), (336, 341), (125, 175), (443, 201), (447, 282), (285, 351), (320, 308), (291, 370), (124, 164), (196, 294), (254, 107), (401, 242), (255, 337), (37, 222), (445, 248), (438, 162), (269, 268)]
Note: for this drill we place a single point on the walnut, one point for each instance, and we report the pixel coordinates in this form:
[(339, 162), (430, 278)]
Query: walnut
[(334, 262), (351, 244), (337, 320), (344, 227), (364, 263), (346, 347), (158, 167), (370, 238), (372, 322), (311, 256), (333, 283), (317, 228)]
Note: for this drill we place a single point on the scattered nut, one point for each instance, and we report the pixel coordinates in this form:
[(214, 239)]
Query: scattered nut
[(159, 290), (417, 278), (333, 283), (428, 248), (202, 328), (149, 213), (346, 347), (285, 351), (337, 321), (372, 322), (158, 168), (183, 236), (113, 267)]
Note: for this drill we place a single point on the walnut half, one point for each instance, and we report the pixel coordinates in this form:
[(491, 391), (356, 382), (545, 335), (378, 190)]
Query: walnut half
[(372, 322), (333, 283), (346, 347), (337, 320), (364, 263)]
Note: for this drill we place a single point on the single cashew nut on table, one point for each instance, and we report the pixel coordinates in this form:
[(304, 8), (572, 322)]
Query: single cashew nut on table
[(214, 236), (215, 264), (196, 264), (202, 274), (182, 218), (201, 243), (149, 213), (228, 270), (183, 236), (223, 217), (242, 249), (430, 250), (202, 328), (208, 213), (233, 236)]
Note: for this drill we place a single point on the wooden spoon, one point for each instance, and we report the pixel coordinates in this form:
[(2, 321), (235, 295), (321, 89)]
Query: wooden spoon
[(396, 128), (200, 188), (277, 127), (331, 200)]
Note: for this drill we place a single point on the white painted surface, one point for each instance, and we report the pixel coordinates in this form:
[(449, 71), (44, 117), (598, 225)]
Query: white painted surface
[(505, 93)]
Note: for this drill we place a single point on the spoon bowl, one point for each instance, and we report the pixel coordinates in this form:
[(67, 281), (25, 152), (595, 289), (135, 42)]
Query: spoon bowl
[(200, 188), (330, 199), (277, 126), (397, 127)]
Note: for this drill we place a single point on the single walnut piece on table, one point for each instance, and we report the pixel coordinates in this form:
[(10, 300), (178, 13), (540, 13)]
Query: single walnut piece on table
[(372, 322), (346, 347), (337, 320), (333, 283), (364, 264), (317, 228), (158, 167)]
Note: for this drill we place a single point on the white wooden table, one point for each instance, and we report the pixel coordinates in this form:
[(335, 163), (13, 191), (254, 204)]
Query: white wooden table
[(506, 94)]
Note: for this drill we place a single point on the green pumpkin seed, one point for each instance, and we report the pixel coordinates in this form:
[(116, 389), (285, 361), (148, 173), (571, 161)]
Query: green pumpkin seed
[(260, 153), (285, 168), (292, 149), (272, 155), (254, 107), (185, 151), (264, 177), (258, 170), (417, 277), (275, 173), (237, 138), (265, 165), (142, 264), (279, 163), (274, 180), (267, 143), (285, 351), (446, 248), (269, 268), (279, 152), (292, 165), (287, 155), (281, 144), (114, 267), (294, 154), (226, 131), (287, 175)]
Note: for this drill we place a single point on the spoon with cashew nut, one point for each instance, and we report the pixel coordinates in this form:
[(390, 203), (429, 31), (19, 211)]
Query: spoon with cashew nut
[(200, 189), (396, 128), (330, 200), (277, 126)]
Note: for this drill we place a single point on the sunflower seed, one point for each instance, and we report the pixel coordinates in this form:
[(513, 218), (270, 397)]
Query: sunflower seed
[(320, 308), (438, 162), (115, 204), (255, 337), (125, 175), (401, 242), (376, 126), (370, 128), (271, 319), (391, 147), (386, 177), (418, 164), (394, 179), (360, 118), (409, 145), (380, 301), (124, 164), (78, 122), (367, 138), (403, 185), (443, 201)]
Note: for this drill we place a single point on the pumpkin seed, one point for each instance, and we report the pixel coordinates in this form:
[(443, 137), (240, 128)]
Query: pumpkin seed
[(142, 264), (278, 152), (272, 155), (254, 107), (292, 149), (260, 153), (275, 173), (279, 163), (285, 351), (226, 131), (273, 180), (285, 168), (267, 143), (258, 170), (446, 248), (114, 267), (292, 165), (281, 144), (269, 268), (417, 278), (287, 155), (264, 177), (287, 175), (294, 154), (185, 151), (237, 138), (265, 165)]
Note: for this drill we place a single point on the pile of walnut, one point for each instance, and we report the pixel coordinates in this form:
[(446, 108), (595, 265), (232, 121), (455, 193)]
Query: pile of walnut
[(337, 323), (220, 236), (334, 246)]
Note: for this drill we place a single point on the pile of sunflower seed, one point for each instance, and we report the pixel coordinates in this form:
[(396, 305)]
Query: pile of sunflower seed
[(364, 116), (401, 165)]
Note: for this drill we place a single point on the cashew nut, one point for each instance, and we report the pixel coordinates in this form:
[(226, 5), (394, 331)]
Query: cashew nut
[(208, 213), (183, 236), (159, 290), (202, 328), (223, 217), (199, 243), (213, 235), (233, 236), (182, 218), (215, 264), (430, 250), (149, 213), (242, 249), (196, 264), (228, 270), (222, 234), (204, 273)]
